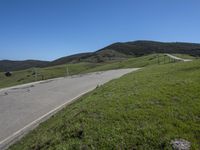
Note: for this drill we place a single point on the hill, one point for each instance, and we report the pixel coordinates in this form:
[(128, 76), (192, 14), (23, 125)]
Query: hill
[(8, 65), (138, 48), (28, 75), (70, 59), (113, 52), (146, 109), (118, 51)]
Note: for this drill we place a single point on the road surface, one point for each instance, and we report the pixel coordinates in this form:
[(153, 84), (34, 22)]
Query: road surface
[(23, 107), (177, 58)]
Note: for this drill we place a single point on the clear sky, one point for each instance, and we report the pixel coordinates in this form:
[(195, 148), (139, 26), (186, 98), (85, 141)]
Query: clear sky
[(48, 29)]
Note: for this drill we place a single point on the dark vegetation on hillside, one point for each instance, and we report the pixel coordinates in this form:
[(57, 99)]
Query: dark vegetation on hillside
[(70, 59), (138, 48), (116, 51), (8, 65)]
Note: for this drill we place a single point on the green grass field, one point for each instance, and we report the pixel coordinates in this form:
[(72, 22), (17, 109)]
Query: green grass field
[(26, 76), (142, 110)]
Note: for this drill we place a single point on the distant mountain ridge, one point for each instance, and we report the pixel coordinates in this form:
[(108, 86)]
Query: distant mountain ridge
[(9, 65), (125, 50), (116, 51), (139, 48)]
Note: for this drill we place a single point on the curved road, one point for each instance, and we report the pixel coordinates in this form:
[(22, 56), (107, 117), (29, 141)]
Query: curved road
[(23, 107), (177, 58)]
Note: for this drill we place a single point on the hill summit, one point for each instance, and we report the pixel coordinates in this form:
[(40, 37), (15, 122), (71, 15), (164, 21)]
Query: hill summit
[(116, 51)]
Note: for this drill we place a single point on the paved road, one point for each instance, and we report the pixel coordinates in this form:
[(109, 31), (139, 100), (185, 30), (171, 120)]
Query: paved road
[(177, 58), (23, 107)]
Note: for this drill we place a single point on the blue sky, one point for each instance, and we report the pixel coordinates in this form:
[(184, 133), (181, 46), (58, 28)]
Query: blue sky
[(48, 29)]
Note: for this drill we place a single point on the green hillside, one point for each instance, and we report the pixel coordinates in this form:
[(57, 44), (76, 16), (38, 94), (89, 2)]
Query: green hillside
[(26, 76), (142, 110), (124, 50), (114, 52)]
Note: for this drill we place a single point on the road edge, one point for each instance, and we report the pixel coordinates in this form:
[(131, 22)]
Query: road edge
[(4, 144)]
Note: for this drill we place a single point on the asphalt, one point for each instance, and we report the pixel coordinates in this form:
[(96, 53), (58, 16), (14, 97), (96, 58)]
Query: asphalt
[(23, 107)]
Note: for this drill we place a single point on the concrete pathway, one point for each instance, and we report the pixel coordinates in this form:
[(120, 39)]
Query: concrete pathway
[(23, 107), (177, 58)]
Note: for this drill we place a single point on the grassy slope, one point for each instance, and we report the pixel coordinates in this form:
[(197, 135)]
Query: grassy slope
[(25, 76), (142, 110)]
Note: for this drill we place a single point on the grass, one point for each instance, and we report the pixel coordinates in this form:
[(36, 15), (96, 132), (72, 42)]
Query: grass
[(142, 110), (26, 76)]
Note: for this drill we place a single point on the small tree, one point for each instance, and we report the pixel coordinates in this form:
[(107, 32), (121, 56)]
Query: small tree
[(8, 74)]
